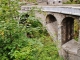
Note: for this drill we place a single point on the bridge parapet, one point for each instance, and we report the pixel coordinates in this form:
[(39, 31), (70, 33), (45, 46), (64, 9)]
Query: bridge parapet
[(59, 9)]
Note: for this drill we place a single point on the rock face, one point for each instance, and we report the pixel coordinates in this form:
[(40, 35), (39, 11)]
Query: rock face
[(54, 2), (71, 50)]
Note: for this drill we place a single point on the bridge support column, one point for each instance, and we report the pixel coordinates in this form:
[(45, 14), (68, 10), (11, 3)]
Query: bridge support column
[(59, 34), (60, 40), (59, 18)]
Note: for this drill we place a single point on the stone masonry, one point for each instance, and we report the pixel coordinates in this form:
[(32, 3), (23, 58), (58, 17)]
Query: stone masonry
[(54, 2), (69, 48)]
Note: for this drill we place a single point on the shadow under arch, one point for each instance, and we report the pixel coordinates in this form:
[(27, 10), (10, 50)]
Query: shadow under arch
[(67, 29), (50, 18), (52, 26)]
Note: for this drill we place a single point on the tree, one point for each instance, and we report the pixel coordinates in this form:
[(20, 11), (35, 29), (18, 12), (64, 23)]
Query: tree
[(10, 32)]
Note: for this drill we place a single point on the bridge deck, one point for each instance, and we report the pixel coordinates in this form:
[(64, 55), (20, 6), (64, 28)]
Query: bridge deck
[(70, 9)]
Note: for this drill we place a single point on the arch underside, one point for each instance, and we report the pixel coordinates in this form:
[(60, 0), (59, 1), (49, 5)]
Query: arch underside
[(52, 26), (67, 29)]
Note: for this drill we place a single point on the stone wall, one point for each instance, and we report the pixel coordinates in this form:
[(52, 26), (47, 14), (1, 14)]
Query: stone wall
[(71, 50), (54, 2)]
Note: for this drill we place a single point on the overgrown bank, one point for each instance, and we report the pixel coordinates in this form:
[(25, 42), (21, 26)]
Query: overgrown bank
[(23, 39)]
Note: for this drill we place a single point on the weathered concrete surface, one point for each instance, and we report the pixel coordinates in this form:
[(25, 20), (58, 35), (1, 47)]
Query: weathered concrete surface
[(71, 10), (71, 50)]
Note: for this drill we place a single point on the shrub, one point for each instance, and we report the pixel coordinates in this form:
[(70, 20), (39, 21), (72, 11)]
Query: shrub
[(15, 40)]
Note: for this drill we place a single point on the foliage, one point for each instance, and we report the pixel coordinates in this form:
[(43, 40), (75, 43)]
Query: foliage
[(28, 2), (76, 29), (9, 29), (70, 2), (24, 40), (31, 1), (78, 1), (73, 2), (38, 49)]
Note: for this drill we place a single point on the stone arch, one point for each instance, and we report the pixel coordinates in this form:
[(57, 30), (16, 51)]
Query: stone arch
[(67, 29), (52, 26), (50, 18)]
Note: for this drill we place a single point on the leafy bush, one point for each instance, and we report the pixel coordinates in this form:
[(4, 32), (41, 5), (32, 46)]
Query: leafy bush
[(78, 1), (38, 49), (23, 41), (70, 2), (73, 2), (76, 29)]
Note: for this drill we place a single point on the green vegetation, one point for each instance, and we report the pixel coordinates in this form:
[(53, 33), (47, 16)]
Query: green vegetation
[(23, 39), (31, 1), (73, 2), (76, 30)]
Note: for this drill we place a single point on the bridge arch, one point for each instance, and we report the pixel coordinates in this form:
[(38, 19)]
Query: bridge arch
[(50, 18), (52, 26), (67, 29)]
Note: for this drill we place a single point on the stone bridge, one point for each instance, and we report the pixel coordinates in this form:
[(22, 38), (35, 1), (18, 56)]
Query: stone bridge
[(59, 22)]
